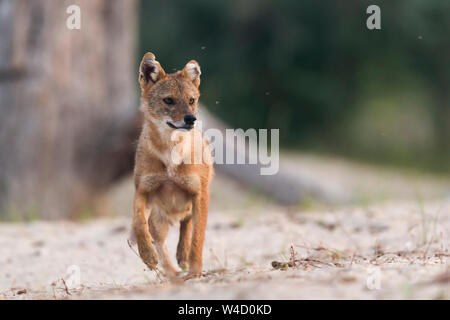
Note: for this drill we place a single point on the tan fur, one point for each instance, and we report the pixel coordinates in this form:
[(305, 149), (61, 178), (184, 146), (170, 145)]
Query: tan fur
[(167, 192)]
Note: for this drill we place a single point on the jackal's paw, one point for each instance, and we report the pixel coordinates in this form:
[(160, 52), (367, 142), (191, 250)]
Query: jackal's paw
[(150, 257), (174, 277), (184, 265), (182, 258), (192, 275), (170, 271)]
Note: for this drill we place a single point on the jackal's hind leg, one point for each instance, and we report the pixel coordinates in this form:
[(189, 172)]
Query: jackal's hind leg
[(184, 243), (199, 218)]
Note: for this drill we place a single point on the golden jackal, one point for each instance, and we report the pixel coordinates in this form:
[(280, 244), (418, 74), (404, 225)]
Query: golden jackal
[(168, 191)]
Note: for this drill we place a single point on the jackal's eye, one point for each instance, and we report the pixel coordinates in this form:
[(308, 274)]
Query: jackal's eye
[(168, 101), (191, 101)]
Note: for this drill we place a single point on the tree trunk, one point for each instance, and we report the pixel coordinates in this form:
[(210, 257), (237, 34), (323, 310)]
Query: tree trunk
[(67, 98)]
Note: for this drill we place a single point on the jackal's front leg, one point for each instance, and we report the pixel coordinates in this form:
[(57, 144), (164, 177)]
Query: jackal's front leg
[(145, 186), (199, 219), (146, 249)]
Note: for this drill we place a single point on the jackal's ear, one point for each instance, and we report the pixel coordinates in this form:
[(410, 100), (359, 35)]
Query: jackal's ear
[(192, 72), (150, 70)]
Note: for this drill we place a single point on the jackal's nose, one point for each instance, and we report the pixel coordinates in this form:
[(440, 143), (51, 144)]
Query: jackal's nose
[(189, 119)]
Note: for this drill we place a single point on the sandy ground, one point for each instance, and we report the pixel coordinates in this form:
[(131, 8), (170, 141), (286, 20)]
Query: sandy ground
[(388, 244), (391, 250)]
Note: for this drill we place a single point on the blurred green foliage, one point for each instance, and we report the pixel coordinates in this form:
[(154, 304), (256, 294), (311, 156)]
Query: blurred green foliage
[(313, 69)]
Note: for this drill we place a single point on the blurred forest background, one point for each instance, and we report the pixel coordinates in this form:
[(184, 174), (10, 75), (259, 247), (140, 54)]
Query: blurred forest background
[(313, 69), (69, 98)]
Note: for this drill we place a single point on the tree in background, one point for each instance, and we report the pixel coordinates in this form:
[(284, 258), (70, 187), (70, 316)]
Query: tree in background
[(67, 97)]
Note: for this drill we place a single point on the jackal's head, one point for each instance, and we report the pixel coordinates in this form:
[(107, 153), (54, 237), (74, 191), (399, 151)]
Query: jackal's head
[(169, 100)]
